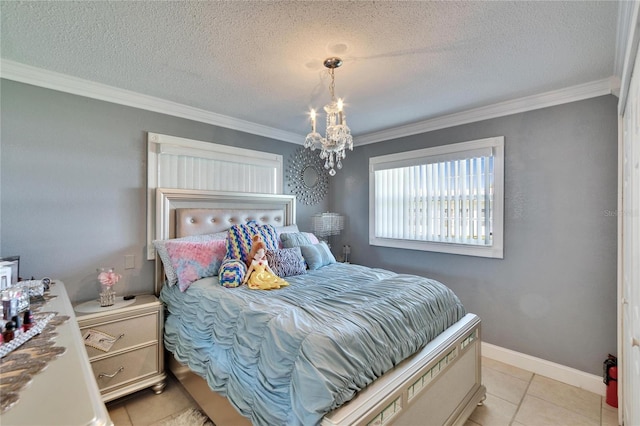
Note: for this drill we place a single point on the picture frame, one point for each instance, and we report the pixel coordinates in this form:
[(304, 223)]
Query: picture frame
[(12, 262)]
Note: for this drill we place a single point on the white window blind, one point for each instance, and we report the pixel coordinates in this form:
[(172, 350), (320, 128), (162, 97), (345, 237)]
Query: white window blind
[(446, 199)]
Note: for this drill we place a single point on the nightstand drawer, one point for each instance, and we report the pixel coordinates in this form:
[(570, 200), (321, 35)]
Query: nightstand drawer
[(125, 368), (134, 331)]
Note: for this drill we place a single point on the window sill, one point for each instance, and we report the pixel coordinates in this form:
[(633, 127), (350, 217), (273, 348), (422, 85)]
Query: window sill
[(493, 252)]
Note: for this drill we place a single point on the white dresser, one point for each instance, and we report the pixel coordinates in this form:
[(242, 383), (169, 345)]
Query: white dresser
[(65, 393), (136, 359)]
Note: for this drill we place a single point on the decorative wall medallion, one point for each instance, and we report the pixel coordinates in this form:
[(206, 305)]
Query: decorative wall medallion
[(306, 177)]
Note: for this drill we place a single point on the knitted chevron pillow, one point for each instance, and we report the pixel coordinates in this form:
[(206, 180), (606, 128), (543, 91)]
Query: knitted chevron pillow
[(239, 239), (232, 273)]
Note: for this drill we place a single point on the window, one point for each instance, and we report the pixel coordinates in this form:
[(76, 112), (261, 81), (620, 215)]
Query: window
[(447, 199)]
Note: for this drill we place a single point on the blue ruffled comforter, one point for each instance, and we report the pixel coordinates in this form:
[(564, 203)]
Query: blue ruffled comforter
[(290, 356)]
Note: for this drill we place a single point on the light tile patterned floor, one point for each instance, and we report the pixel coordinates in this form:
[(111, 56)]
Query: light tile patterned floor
[(514, 397), (520, 398), (145, 408)]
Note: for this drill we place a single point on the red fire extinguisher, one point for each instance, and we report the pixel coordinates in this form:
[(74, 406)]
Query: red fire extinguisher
[(610, 373)]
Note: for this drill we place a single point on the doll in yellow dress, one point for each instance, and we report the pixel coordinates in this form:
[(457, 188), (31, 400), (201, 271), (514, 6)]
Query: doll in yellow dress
[(260, 276)]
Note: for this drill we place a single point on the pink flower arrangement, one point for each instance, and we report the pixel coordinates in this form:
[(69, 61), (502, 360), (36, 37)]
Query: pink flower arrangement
[(108, 277)]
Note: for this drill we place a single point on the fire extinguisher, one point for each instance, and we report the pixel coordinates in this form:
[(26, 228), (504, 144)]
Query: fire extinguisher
[(610, 374)]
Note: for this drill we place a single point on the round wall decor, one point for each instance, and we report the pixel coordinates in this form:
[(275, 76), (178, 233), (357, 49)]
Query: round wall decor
[(307, 177)]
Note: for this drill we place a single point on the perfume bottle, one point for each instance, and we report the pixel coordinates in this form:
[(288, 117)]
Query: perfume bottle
[(17, 322), (27, 321), (9, 304), (9, 332)]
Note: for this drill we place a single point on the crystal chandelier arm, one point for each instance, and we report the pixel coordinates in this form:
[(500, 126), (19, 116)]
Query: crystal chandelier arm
[(313, 121)]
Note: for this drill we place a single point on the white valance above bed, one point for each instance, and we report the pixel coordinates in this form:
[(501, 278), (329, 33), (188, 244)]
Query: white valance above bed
[(179, 163)]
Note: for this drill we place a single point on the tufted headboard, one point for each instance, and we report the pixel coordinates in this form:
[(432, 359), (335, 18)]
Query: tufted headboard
[(208, 221), (181, 212)]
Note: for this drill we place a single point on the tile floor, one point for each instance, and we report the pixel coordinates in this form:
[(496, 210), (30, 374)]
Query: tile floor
[(520, 398), (514, 397)]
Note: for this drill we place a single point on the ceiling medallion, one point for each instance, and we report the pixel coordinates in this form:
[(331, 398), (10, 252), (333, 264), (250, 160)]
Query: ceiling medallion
[(337, 134), (306, 177)]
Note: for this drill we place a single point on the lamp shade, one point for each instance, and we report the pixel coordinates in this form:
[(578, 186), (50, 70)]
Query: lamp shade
[(325, 224)]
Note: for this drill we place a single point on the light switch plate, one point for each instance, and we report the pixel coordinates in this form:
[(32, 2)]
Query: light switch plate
[(129, 261)]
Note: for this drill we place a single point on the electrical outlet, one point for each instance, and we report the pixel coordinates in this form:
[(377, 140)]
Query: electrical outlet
[(129, 261)]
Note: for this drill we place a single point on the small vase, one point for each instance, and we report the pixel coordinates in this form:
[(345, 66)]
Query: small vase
[(107, 294)]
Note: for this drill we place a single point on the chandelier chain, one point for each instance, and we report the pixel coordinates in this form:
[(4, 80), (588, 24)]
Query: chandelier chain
[(332, 85)]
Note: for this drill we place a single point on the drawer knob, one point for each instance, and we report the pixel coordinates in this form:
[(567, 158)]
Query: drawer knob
[(112, 340), (111, 376)]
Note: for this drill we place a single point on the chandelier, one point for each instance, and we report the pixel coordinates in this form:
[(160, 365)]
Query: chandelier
[(337, 134)]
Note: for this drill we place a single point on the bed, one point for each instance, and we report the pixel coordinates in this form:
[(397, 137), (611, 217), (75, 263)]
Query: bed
[(289, 356)]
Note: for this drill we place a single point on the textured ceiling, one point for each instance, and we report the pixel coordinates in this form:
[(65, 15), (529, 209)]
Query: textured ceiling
[(262, 61)]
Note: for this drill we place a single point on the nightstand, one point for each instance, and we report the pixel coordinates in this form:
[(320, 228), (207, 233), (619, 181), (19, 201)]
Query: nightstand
[(136, 359)]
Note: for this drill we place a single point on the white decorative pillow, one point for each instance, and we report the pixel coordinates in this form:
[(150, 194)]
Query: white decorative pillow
[(287, 229)]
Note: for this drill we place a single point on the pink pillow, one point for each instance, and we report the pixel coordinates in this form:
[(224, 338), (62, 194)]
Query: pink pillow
[(194, 260), (311, 237)]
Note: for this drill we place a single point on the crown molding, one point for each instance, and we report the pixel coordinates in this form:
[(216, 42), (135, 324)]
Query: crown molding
[(570, 94), (28, 74), (626, 15)]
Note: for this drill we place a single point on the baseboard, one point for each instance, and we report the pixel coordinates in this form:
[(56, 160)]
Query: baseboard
[(561, 373)]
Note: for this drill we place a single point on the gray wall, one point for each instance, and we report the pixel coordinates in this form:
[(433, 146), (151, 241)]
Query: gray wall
[(73, 179), (553, 296), (73, 184)]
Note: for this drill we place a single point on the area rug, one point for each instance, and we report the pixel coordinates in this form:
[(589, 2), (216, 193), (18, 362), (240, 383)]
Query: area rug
[(191, 417)]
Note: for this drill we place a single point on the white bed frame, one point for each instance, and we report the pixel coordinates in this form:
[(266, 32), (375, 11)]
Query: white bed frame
[(439, 385)]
